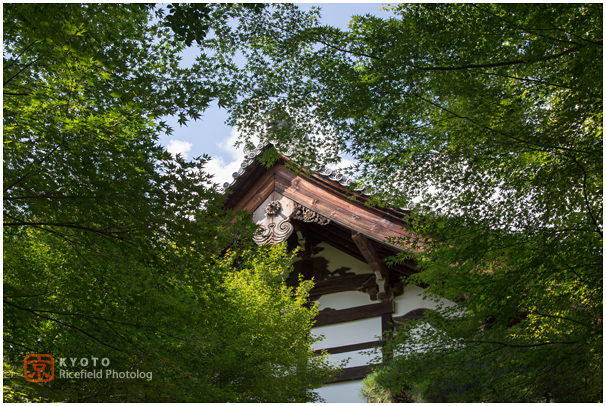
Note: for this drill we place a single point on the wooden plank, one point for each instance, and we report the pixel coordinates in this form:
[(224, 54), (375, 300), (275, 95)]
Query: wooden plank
[(354, 373), (387, 333), (343, 284), (330, 316), (352, 347)]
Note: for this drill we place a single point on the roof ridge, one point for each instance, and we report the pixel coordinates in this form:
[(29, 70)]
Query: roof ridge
[(335, 175)]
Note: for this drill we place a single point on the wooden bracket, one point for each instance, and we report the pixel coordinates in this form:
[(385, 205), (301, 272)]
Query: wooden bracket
[(375, 263)]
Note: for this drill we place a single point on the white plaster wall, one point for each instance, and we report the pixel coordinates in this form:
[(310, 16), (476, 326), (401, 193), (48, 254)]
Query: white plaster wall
[(344, 300), (358, 331), (351, 332), (354, 358), (412, 299), (342, 392), (337, 259)]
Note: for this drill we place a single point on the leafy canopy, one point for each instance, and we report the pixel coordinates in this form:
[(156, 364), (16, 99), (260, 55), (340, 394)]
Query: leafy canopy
[(115, 249), (489, 117)]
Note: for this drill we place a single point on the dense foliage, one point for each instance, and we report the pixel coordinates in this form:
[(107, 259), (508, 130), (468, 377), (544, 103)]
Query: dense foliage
[(115, 249), (489, 116)]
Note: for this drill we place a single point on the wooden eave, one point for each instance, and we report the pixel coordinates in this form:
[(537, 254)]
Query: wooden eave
[(319, 194), (347, 211)]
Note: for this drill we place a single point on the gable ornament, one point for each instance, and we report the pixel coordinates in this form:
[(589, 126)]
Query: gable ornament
[(277, 229)]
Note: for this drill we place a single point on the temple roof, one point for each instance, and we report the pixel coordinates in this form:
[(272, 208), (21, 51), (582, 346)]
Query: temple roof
[(320, 205), (334, 175)]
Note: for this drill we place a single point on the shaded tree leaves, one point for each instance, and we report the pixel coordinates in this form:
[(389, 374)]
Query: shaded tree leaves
[(115, 249)]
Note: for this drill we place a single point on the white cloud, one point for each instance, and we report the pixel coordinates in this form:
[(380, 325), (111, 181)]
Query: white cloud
[(176, 146), (219, 167), (224, 166)]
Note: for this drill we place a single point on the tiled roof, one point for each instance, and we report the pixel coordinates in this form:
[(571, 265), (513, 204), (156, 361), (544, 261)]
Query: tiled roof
[(334, 175)]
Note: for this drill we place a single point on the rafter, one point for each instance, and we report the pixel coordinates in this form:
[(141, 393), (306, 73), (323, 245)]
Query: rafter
[(375, 263)]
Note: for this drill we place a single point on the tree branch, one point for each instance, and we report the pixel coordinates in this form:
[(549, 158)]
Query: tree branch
[(497, 64), (93, 317), (34, 164), (19, 344), (45, 196), (63, 324), (20, 54), (525, 80), (22, 69), (75, 314), (18, 296), (529, 145), (520, 345), (584, 191), (560, 317), (358, 54), (104, 231), (526, 30)]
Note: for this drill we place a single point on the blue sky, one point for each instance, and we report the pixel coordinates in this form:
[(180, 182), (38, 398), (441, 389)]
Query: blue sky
[(211, 136)]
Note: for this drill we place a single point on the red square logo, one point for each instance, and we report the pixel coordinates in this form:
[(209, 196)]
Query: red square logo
[(39, 367)]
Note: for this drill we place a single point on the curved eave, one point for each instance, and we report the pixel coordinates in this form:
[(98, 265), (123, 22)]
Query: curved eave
[(251, 170)]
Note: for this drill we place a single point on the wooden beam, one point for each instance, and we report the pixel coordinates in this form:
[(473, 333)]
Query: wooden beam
[(361, 283), (354, 373), (375, 263), (352, 347), (340, 238), (330, 316), (249, 197), (386, 333)]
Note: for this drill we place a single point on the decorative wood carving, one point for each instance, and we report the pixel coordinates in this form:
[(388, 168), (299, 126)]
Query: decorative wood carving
[(354, 215), (273, 208), (375, 263), (308, 216), (272, 232)]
